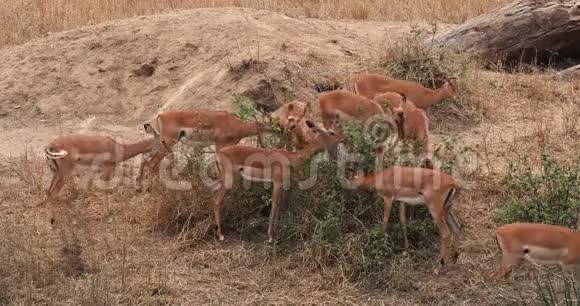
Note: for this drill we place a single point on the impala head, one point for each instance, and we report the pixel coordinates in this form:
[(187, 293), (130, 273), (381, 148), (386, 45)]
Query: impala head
[(450, 86), (328, 137), (158, 141), (354, 178), (393, 104), (289, 114)]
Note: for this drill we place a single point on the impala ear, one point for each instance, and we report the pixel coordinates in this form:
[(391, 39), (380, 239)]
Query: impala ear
[(149, 129), (312, 126)]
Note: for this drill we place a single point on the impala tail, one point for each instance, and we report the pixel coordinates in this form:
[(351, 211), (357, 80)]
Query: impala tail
[(56, 154), (451, 219)]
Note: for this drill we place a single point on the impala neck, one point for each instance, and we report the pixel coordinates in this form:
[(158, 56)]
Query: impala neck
[(368, 182), (134, 149), (300, 156), (435, 96)]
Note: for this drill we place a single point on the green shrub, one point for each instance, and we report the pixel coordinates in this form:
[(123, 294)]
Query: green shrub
[(415, 58), (411, 58), (550, 196), (244, 108), (326, 224)]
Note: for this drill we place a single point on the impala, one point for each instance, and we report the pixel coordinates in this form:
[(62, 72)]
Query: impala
[(340, 106), (64, 153), (290, 117), (370, 85), (416, 186), (416, 123), (196, 128), (537, 243), (259, 164)]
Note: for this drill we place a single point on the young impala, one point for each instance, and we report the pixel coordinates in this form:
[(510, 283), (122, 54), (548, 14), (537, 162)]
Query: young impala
[(64, 153), (416, 123), (537, 243), (258, 164), (290, 117), (197, 128), (370, 85), (416, 186)]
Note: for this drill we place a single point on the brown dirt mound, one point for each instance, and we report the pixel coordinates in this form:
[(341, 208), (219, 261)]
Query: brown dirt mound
[(123, 72)]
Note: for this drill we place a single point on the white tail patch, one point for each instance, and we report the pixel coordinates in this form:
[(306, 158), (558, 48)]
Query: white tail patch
[(56, 155), (543, 256), (254, 174), (215, 186), (418, 200)]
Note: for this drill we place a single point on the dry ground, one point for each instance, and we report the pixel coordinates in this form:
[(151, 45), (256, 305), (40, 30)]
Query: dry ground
[(92, 79)]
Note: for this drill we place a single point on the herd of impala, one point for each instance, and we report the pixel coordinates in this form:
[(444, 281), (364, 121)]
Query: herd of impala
[(401, 104)]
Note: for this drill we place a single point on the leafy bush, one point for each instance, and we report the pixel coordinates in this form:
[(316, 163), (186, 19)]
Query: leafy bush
[(415, 58), (550, 196), (245, 109), (320, 220), (411, 58)]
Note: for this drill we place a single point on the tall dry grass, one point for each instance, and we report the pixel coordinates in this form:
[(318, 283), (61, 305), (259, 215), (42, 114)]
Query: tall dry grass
[(23, 20)]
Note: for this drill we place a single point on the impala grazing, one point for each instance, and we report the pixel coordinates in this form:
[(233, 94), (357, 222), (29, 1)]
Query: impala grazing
[(416, 186), (342, 106), (288, 115), (64, 153), (273, 165), (542, 244), (370, 85), (416, 122), (196, 128)]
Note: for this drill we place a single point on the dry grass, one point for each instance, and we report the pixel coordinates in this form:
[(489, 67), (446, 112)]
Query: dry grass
[(23, 20), (154, 248)]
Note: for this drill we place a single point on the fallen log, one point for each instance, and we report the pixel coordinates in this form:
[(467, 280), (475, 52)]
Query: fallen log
[(523, 30), (569, 73)]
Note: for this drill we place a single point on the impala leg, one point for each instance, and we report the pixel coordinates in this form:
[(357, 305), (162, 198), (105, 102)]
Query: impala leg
[(505, 266), (217, 202), (53, 169), (276, 196), (62, 173), (508, 261), (153, 164), (403, 221), (388, 204), (456, 233), (107, 171), (139, 179), (445, 234)]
